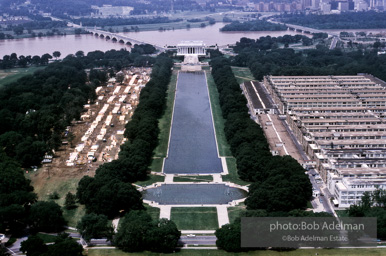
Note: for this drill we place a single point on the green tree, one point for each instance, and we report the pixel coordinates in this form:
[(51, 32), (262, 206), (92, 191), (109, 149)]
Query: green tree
[(56, 54), (33, 246), (46, 216), (120, 77), (70, 202), (95, 226), (132, 232), (13, 219), (79, 54), (64, 246), (229, 237), (163, 237)]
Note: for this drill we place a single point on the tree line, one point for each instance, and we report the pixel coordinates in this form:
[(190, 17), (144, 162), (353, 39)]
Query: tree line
[(13, 60), (345, 20), (373, 204), (269, 43), (20, 209), (320, 61), (278, 183), (36, 110), (255, 25), (111, 193)]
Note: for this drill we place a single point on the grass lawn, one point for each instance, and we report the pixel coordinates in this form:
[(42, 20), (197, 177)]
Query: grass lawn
[(232, 170), (156, 164), (198, 218), (222, 143), (234, 212), (73, 216), (151, 179), (152, 211), (201, 178), (47, 238), (164, 125), (44, 186), (341, 213), (242, 74), (12, 75), (299, 252)]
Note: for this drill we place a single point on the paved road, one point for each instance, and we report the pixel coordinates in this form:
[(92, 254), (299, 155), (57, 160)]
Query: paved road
[(333, 42), (323, 197), (15, 247), (200, 240)]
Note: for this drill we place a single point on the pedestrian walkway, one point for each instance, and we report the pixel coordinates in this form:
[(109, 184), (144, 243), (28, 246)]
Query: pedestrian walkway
[(217, 178), (222, 215), (165, 211), (169, 178)]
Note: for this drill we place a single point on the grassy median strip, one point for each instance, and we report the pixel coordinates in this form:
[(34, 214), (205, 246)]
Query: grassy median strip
[(232, 175), (164, 124), (195, 218), (201, 178), (223, 147)]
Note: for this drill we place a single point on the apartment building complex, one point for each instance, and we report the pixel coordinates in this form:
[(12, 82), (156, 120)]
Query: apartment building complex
[(340, 121)]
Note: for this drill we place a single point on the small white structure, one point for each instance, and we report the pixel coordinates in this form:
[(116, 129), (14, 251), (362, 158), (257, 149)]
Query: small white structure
[(191, 48)]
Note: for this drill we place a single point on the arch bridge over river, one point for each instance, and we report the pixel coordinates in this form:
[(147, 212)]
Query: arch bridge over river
[(120, 38)]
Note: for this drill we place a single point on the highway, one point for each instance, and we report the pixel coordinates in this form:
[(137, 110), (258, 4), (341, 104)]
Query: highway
[(334, 42), (302, 28)]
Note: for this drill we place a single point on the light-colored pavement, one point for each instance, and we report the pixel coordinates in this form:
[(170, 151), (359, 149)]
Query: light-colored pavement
[(169, 178), (165, 211), (197, 231), (217, 178), (198, 240), (222, 215)]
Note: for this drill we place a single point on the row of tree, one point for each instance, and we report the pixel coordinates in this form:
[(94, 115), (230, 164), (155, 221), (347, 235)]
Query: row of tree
[(278, 183), (373, 204), (136, 154), (37, 108), (268, 42), (319, 61), (64, 245), (110, 193)]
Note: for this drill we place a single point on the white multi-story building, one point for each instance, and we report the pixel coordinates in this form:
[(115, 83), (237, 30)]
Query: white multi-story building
[(340, 121)]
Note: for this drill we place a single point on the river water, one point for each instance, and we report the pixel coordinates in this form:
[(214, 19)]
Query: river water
[(70, 44), (210, 35)]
